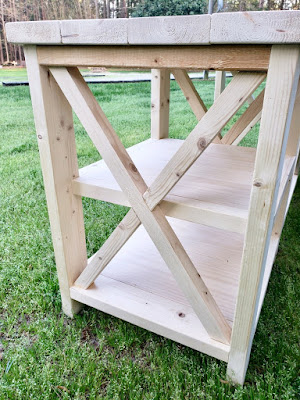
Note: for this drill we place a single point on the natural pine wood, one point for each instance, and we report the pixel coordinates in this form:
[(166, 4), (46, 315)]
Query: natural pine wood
[(205, 131), (149, 296), (110, 248), (280, 92), (246, 27), (192, 96), (176, 30), (226, 58), (132, 184), (246, 122), (55, 133), (215, 191), (160, 99), (198, 298), (183, 29), (220, 78)]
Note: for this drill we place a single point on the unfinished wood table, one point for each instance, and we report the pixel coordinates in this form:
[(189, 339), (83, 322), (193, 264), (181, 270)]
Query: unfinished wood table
[(192, 258)]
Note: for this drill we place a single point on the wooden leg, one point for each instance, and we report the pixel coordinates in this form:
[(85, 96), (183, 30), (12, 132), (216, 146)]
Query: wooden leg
[(282, 81), (160, 99), (56, 139), (219, 83), (220, 78)]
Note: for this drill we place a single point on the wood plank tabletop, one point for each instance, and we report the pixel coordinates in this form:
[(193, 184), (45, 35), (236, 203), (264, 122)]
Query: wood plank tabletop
[(257, 27)]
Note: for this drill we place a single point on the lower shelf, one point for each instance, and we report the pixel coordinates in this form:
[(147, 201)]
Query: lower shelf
[(138, 287)]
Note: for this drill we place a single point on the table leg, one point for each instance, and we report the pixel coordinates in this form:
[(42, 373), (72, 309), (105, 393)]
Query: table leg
[(280, 93), (56, 139), (160, 99)]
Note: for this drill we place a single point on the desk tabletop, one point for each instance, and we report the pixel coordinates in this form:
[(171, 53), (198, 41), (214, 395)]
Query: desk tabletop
[(257, 27)]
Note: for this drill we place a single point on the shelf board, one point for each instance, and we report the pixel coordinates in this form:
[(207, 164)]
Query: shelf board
[(138, 287), (215, 191)]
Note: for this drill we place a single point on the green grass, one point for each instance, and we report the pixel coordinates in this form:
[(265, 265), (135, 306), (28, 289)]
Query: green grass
[(13, 74), (44, 354)]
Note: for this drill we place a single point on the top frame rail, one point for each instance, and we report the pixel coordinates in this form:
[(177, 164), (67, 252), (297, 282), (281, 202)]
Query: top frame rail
[(215, 57)]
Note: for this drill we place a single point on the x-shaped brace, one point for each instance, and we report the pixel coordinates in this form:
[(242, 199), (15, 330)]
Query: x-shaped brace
[(145, 201)]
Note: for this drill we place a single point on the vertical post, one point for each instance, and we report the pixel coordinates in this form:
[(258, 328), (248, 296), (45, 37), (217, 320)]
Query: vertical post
[(219, 87), (219, 83), (282, 81), (56, 139), (160, 99)]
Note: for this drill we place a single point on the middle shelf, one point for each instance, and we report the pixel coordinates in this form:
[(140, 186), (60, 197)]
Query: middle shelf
[(215, 191)]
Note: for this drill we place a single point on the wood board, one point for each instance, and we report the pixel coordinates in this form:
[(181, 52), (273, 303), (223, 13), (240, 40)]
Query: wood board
[(138, 287), (218, 183)]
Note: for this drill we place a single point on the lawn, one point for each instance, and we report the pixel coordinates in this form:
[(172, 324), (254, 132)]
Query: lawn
[(44, 354), (13, 74)]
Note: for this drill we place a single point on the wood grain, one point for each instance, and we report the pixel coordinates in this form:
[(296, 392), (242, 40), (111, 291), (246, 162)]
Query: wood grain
[(56, 140), (133, 185), (234, 28), (256, 27), (34, 32), (176, 30), (280, 93), (246, 121), (94, 32), (109, 249), (160, 101), (215, 190), (148, 294), (188, 89), (226, 105), (248, 58)]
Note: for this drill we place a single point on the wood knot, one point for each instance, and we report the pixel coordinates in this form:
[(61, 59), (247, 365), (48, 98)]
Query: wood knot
[(201, 143), (122, 227), (40, 136), (132, 167), (257, 183)]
